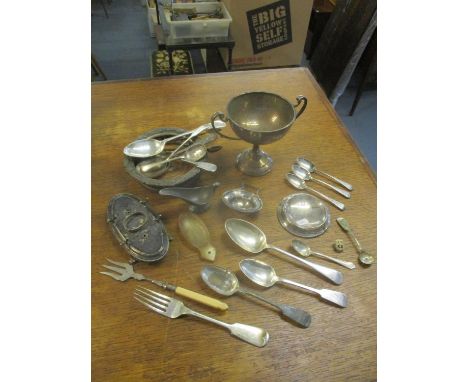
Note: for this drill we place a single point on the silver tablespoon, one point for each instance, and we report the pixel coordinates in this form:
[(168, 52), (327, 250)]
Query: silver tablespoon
[(264, 274), (302, 173), (251, 238), (304, 250), (309, 166), (298, 183), (146, 148), (194, 153), (225, 282)]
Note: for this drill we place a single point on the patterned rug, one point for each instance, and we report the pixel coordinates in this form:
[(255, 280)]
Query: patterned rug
[(182, 63)]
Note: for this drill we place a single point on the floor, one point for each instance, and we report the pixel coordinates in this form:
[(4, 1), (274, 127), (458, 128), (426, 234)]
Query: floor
[(122, 45)]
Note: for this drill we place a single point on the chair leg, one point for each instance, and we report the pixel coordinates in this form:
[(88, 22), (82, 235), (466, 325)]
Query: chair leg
[(105, 9), (96, 68)]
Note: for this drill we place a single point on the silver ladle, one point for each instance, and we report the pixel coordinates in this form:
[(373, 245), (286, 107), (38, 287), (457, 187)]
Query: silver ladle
[(298, 183), (304, 250), (194, 153), (225, 282), (264, 274), (302, 173), (146, 148), (309, 166), (251, 238)]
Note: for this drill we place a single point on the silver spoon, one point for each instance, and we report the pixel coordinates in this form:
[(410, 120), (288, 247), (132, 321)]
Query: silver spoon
[(225, 282), (251, 238), (298, 183), (309, 166), (195, 152), (146, 148), (364, 257), (302, 173), (304, 250), (264, 274)]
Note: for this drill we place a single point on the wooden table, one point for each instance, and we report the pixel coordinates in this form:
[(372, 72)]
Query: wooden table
[(131, 343)]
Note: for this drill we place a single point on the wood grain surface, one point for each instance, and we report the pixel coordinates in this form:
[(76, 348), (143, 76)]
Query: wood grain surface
[(132, 343)]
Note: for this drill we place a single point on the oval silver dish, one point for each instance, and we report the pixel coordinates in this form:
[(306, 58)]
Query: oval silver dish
[(242, 200), (303, 215)]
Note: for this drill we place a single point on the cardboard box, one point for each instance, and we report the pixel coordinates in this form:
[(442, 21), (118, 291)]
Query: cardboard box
[(268, 33)]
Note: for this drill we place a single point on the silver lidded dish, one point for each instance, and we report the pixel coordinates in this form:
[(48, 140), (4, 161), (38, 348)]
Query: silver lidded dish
[(243, 200), (303, 215)]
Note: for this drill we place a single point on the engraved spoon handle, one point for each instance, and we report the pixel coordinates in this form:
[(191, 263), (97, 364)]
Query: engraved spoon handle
[(329, 273), (336, 203), (339, 181), (207, 166), (338, 190), (346, 264), (297, 315)]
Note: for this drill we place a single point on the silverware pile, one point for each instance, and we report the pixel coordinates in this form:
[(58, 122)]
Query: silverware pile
[(301, 214)]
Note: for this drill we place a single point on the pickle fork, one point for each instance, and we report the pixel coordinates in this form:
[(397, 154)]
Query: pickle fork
[(124, 271)]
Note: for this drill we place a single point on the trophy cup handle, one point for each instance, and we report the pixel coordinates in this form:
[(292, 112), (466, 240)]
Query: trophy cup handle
[(300, 99), (223, 118)]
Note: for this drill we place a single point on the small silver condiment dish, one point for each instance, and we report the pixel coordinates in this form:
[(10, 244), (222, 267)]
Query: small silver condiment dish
[(242, 200)]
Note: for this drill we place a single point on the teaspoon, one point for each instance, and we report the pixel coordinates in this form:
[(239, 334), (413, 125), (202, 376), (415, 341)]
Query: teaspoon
[(251, 238), (264, 274), (364, 257), (304, 250), (302, 173), (298, 183), (309, 166), (225, 282)]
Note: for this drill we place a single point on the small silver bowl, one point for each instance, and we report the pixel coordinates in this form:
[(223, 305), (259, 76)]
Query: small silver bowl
[(303, 215), (242, 200)]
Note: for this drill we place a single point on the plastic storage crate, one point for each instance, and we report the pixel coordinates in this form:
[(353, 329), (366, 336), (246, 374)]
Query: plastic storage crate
[(197, 28)]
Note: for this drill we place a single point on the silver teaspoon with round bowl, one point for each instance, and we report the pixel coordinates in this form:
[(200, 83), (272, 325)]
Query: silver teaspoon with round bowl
[(251, 238), (225, 282), (264, 274), (298, 183), (309, 166), (304, 250), (305, 175)]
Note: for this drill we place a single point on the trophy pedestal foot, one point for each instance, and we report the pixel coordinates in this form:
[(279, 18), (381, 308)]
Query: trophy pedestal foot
[(254, 162)]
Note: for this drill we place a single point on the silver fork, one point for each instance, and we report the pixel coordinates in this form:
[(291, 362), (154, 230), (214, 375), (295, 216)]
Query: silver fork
[(172, 308), (124, 271)]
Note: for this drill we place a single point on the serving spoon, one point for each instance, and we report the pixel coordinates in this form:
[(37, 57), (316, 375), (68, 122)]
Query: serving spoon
[(146, 148), (251, 238), (302, 173), (304, 250), (225, 282), (264, 275), (309, 166), (194, 153), (298, 183)]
